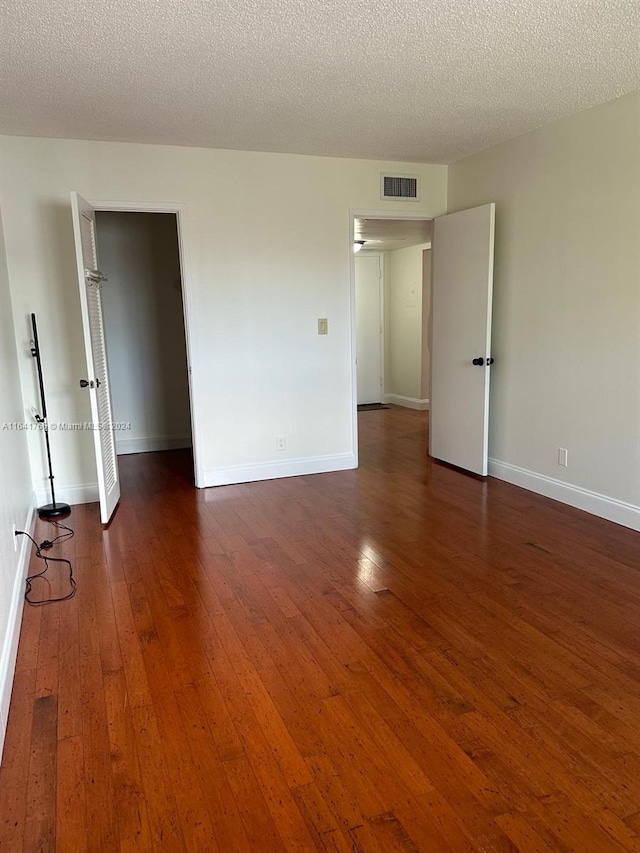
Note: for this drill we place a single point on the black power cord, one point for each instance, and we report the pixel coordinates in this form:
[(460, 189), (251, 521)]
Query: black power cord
[(44, 546), (61, 537)]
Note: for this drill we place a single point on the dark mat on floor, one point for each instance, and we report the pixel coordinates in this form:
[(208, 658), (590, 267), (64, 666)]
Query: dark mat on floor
[(371, 407)]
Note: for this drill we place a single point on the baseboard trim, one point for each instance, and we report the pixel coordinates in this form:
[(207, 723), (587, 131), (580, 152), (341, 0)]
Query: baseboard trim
[(232, 474), (125, 446), (80, 493), (9, 653), (612, 509), (407, 402), (87, 493)]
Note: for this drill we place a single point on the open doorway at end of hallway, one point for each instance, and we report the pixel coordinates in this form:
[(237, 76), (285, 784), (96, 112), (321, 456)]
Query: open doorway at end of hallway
[(392, 267)]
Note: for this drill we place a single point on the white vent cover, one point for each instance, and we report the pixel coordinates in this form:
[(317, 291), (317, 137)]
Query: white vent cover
[(404, 187)]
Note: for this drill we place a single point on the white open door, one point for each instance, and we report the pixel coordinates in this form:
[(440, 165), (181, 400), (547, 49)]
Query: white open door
[(369, 328), (97, 380), (462, 289)]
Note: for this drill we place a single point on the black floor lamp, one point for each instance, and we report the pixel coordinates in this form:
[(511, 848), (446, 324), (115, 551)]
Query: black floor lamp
[(55, 509)]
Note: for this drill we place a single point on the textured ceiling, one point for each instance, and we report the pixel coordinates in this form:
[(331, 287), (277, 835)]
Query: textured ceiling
[(417, 80)]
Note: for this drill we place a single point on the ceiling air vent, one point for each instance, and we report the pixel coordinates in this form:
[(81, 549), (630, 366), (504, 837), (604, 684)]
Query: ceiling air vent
[(399, 187)]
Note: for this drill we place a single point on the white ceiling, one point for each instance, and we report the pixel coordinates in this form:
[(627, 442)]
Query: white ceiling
[(383, 235), (416, 80)]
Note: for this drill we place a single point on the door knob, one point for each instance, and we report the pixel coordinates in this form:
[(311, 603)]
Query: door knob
[(85, 383), (478, 362), (489, 361)]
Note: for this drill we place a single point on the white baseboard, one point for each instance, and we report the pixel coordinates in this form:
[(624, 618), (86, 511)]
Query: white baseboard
[(125, 446), (9, 652), (87, 493), (81, 493), (232, 474), (407, 402), (613, 510)]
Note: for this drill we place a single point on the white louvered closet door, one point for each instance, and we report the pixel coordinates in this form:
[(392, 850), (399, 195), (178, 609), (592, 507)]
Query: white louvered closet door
[(90, 281)]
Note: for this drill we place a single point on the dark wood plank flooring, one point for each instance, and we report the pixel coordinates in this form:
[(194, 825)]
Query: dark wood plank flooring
[(397, 658)]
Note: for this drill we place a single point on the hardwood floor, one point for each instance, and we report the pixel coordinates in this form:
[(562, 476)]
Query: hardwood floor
[(397, 658)]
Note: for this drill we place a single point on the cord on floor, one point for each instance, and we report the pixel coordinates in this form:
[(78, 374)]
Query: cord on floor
[(45, 545)]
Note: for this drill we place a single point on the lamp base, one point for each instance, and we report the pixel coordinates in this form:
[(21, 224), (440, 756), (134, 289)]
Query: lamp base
[(54, 510)]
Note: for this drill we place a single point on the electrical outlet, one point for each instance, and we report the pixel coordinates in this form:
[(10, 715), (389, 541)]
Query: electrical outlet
[(281, 442), (15, 538), (563, 457), (323, 326)]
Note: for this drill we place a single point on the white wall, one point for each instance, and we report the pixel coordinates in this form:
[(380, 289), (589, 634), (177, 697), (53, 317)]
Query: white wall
[(567, 304), (269, 252), (404, 324), (15, 492), (369, 310), (144, 326)]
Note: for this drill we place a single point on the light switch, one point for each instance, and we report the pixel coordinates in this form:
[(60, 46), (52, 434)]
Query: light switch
[(323, 326)]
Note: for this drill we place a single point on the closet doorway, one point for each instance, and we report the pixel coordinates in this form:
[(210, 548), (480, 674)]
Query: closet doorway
[(146, 325), (142, 306)]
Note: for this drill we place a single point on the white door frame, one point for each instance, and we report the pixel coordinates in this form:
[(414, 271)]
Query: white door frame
[(188, 311), (353, 215)]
